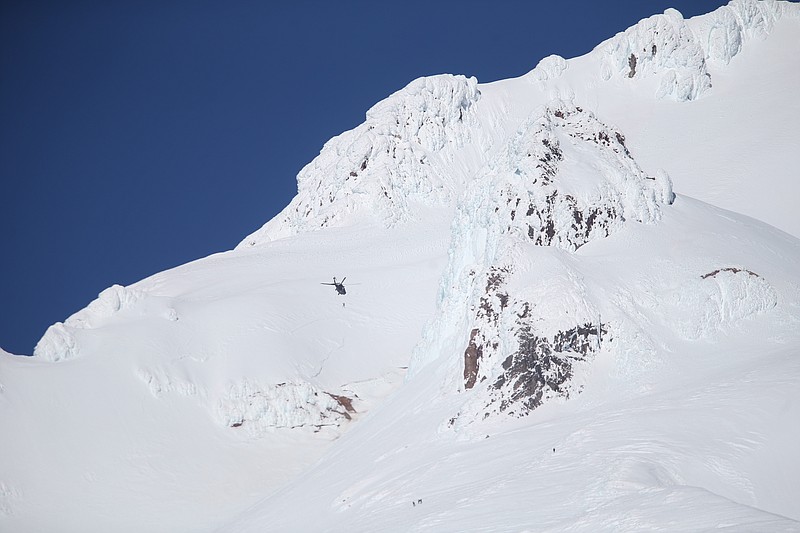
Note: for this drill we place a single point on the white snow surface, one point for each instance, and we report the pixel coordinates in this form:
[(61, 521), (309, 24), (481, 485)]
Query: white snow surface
[(58, 342), (573, 304)]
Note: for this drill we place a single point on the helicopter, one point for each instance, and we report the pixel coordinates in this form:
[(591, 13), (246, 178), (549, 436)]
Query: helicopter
[(339, 285)]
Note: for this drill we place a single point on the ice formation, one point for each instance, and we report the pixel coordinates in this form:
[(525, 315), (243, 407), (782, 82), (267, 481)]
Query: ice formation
[(409, 151), (723, 32), (398, 156), (717, 301), (563, 180), (662, 46), (676, 52), (549, 68), (58, 342), (258, 407)]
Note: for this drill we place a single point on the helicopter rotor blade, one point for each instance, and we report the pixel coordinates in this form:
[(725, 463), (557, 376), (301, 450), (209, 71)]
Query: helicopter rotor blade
[(344, 278)]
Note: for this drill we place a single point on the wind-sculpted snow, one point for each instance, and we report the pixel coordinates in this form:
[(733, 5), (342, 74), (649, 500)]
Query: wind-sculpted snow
[(717, 301), (254, 406), (662, 46), (58, 342), (8, 497), (564, 180), (257, 407), (667, 48), (723, 32), (549, 68), (160, 382), (398, 156)]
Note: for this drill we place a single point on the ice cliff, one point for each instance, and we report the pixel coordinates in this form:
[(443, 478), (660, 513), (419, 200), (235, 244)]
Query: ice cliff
[(58, 342), (397, 157), (515, 313), (677, 52), (422, 145)]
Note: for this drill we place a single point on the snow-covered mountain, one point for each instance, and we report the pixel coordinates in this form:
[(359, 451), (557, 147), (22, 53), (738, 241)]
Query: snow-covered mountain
[(572, 304)]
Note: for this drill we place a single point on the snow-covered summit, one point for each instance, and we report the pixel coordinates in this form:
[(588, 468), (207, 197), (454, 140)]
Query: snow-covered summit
[(397, 157), (423, 144), (631, 348)]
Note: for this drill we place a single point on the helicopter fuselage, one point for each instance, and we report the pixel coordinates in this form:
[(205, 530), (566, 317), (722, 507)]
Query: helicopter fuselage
[(339, 285)]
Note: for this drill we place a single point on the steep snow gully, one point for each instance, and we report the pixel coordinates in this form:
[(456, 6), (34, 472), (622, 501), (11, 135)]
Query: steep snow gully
[(568, 312)]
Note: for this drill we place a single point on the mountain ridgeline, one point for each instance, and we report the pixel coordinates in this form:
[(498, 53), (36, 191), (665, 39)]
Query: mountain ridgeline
[(526, 183), (553, 176), (532, 294)]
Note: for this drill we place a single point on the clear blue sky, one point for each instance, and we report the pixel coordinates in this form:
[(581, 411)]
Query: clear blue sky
[(138, 136)]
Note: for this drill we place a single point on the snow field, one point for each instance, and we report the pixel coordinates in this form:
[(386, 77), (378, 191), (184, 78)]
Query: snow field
[(662, 338)]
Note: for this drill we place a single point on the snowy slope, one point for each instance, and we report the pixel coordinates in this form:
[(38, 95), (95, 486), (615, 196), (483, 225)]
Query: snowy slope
[(538, 333), (735, 146), (685, 420), (212, 383), (681, 338)]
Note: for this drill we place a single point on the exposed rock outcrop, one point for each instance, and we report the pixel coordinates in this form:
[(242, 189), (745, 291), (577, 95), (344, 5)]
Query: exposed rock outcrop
[(565, 179), (397, 156), (523, 359)]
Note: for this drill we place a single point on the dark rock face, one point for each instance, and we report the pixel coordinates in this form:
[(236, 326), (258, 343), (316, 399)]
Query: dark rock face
[(472, 358), (585, 220), (542, 364), (565, 180), (534, 201), (345, 402), (491, 305)]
